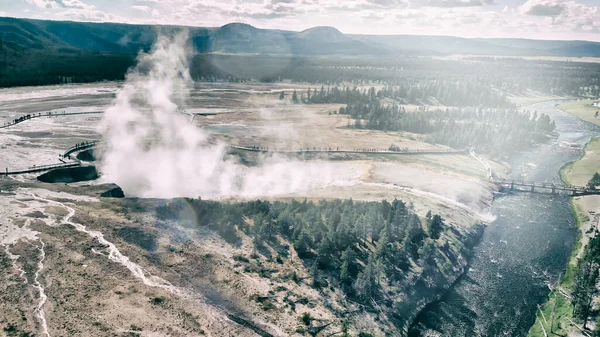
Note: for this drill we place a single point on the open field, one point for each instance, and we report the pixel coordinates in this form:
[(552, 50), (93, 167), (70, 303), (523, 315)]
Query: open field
[(583, 109), (250, 114), (531, 58), (581, 171), (531, 97)]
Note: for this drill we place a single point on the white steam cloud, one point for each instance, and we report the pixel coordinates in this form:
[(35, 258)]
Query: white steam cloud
[(153, 151)]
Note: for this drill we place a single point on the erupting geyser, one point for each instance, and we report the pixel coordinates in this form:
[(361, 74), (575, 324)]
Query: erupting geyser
[(153, 151)]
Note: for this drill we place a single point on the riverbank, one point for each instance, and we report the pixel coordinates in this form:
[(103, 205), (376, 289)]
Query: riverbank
[(583, 109), (557, 311)]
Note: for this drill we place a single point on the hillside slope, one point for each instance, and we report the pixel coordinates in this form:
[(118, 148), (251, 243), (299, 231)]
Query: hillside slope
[(60, 36)]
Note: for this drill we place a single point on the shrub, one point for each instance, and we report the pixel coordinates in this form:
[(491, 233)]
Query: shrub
[(158, 300), (306, 318)]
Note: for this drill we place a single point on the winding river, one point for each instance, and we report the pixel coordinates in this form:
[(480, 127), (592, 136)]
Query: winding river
[(525, 248)]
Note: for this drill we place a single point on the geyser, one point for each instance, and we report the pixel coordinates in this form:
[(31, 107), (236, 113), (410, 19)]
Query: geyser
[(153, 151)]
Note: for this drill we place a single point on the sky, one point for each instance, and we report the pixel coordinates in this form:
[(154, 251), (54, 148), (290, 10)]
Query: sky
[(538, 19)]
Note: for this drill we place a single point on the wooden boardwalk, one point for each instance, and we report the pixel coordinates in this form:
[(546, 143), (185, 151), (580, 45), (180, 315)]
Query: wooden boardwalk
[(80, 147), (338, 150), (42, 168), (45, 114), (531, 186)]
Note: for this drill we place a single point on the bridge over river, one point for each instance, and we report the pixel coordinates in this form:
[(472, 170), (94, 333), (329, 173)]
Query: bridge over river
[(541, 187)]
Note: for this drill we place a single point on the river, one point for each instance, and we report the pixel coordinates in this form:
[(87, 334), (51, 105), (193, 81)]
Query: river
[(527, 246)]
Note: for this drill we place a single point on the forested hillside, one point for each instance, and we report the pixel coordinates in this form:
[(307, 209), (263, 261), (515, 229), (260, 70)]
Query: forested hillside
[(37, 52), (243, 38), (380, 254)]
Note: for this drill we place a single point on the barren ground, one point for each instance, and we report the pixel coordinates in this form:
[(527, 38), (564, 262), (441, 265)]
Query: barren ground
[(191, 277)]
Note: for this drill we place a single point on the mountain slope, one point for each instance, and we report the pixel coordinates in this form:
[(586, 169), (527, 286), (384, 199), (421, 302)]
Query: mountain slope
[(232, 38), (239, 38)]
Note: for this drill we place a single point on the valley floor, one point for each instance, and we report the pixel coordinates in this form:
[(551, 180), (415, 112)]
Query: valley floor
[(72, 263)]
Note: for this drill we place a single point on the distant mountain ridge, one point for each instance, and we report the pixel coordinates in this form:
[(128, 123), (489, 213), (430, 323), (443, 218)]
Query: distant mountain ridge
[(239, 38)]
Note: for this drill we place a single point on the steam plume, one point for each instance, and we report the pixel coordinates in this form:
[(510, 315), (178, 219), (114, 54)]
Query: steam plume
[(152, 150)]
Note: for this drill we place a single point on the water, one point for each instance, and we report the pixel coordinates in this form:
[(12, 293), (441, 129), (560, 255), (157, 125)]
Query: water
[(527, 247)]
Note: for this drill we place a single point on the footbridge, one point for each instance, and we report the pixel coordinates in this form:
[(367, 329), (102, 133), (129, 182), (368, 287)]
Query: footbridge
[(49, 114), (66, 160), (42, 168), (315, 150), (309, 150), (31, 116), (80, 147), (543, 187)]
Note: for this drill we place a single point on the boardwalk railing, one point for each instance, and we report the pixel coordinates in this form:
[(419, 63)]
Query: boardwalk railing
[(42, 168), (338, 150), (94, 143), (531, 186), (45, 114), (79, 147)]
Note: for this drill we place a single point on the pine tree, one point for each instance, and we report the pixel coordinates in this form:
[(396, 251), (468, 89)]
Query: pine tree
[(324, 253), (596, 328), (315, 275), (595, 181), (282, 95), (435, 227), (294, 97), (346, 274), (585, 280), (366, 285), (301, 245)]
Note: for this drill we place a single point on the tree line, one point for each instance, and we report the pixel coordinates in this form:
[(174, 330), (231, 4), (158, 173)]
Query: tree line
[(471, 82), (449, 93), (431, 93), (491, 130), (489, 78), (594, 182), (585, 282), (27, 67)]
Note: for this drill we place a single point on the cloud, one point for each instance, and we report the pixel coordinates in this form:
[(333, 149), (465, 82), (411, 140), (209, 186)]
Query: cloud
[(50, 4), (557, 19), (543, 7), (456, 3), (388, 3), (564, 15), (75, 4), (146, 9), (78, 14), (56, 4), (235, 10)]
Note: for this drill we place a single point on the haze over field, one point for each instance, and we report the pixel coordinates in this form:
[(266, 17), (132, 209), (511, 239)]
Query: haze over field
[(167, 156)]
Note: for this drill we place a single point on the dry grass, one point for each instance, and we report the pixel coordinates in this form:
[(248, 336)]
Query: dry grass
[(581, 171), (584, 109), (531, 97)]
